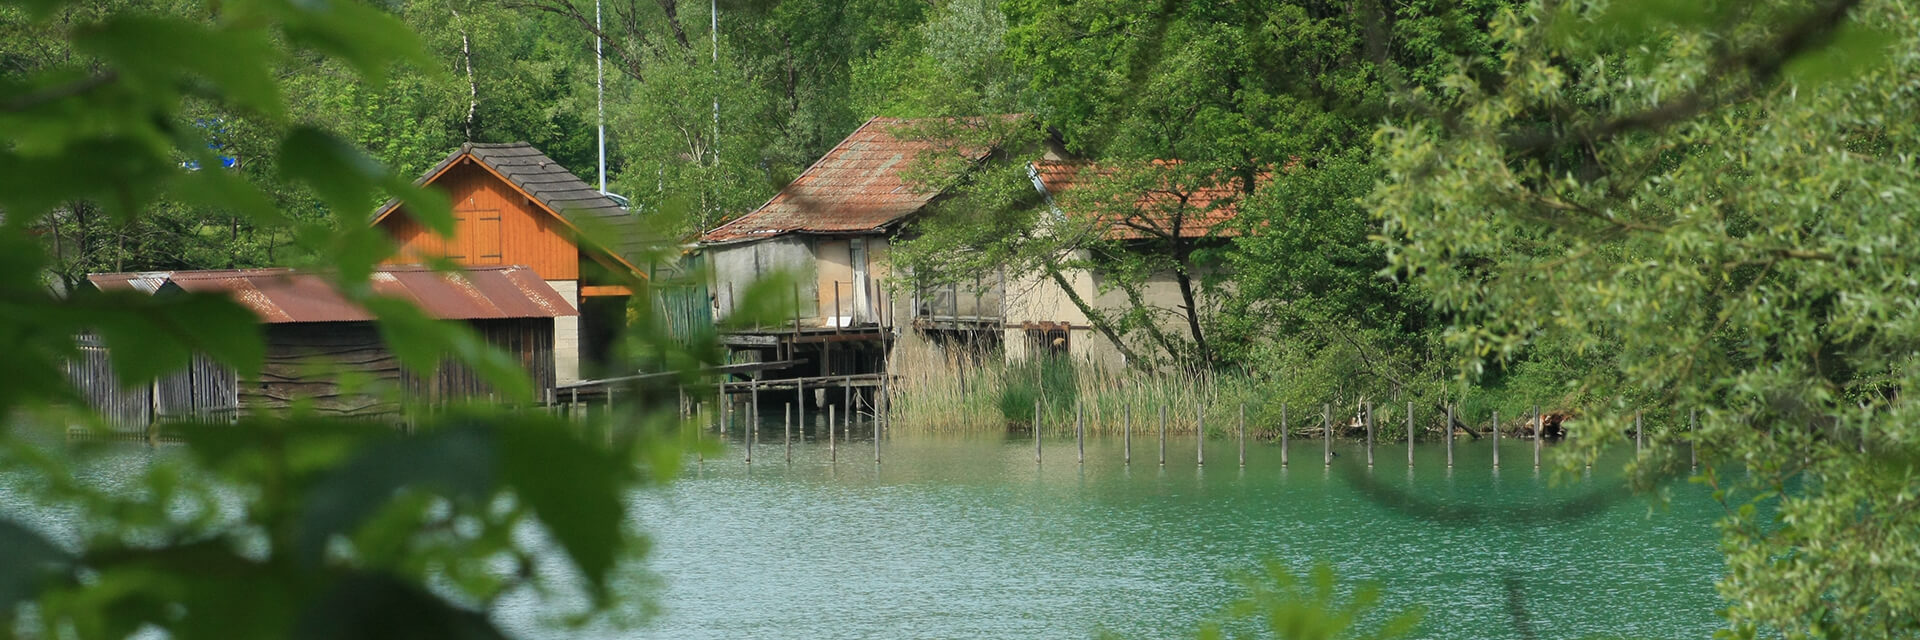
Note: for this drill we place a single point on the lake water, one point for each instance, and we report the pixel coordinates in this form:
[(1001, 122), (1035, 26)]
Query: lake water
[(966, 537)]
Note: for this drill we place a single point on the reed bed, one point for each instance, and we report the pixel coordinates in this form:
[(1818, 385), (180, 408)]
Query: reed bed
[(957, 390)]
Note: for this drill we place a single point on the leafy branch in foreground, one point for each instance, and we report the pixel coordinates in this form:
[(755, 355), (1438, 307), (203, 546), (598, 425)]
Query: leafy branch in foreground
[(289, 525), (1281, 605), (1743, 257)]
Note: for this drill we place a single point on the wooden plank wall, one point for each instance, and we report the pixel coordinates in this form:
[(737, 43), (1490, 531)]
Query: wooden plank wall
[(305, 362), (203, 390), (495, 224), (529, 341), (125, 410)]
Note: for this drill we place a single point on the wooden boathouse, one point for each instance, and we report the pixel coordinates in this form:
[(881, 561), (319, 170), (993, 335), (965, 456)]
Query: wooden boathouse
[(832, 230), (513, 205), (317, 341)]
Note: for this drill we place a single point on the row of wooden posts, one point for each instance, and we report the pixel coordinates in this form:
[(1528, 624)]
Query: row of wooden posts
[(1200, 451)]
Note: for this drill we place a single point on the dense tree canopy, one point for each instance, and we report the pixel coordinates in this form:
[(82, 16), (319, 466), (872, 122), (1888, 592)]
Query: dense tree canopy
[(1709, 206)]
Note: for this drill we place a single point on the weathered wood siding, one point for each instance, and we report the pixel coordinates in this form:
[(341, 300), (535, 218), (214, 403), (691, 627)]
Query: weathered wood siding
[(494, 224), (305, 364), (206, 390), (203, 390), (126, 410), (528, 341)]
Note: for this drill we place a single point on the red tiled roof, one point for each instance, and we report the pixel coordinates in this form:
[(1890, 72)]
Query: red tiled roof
[(859, 186), (1152, 214), (281, 296)]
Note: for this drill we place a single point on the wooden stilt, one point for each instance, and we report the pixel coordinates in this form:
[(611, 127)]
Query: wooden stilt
[(1163, 435), (1369, 417), (1242, 429), (1326, 433), (1283, 435)]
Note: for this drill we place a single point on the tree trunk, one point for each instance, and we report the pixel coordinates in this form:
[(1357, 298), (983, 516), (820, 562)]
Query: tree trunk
[(1094, 316), (1183, 275)]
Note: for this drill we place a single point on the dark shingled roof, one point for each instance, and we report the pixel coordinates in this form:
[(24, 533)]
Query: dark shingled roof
[(555, 188), (860, 186)]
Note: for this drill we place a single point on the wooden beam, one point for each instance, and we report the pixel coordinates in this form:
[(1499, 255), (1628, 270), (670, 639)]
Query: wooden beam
[(603, 290)]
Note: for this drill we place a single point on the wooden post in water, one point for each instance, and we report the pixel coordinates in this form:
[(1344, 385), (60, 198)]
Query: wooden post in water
[(787, 412), (1200, 432), (1409, 434), (1369, 417), (1036, 431), (748, 436), (1242, 429), (1639, 434), (1496, 438), (1163, 435), (1449, 427), (753, 402), (1126, 435), (833, 454), (1326, 433), (875, 423), (1080, 430), (800, 393), (1539, 435), (1283, 435)]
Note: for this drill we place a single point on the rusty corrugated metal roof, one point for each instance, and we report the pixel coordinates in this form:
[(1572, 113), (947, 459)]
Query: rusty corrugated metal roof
[(281, 296), (859, 186), (1153, 213), (149, 281)]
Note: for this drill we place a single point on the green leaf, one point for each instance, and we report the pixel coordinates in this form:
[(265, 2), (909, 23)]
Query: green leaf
[(368, 606), (345, 178), (1853, 49), (423, 344), (151, 336), (157, 51), (26, 561), (574, 487), (367, 38), (458, 463)]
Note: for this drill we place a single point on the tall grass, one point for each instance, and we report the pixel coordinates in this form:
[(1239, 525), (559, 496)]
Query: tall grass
[(942, 391)]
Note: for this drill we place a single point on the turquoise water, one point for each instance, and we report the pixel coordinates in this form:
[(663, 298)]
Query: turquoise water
[(968, 537)]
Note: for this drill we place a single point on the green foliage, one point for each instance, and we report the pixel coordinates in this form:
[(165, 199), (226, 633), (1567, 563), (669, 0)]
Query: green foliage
[(1284, 606), (1668, 214), (272, 526), (1048, 383), (1310, 607)]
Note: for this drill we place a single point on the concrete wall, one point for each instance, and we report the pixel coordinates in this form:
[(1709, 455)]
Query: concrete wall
[(566, 335), (820, 265), (737, 266), (1037, 299)]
